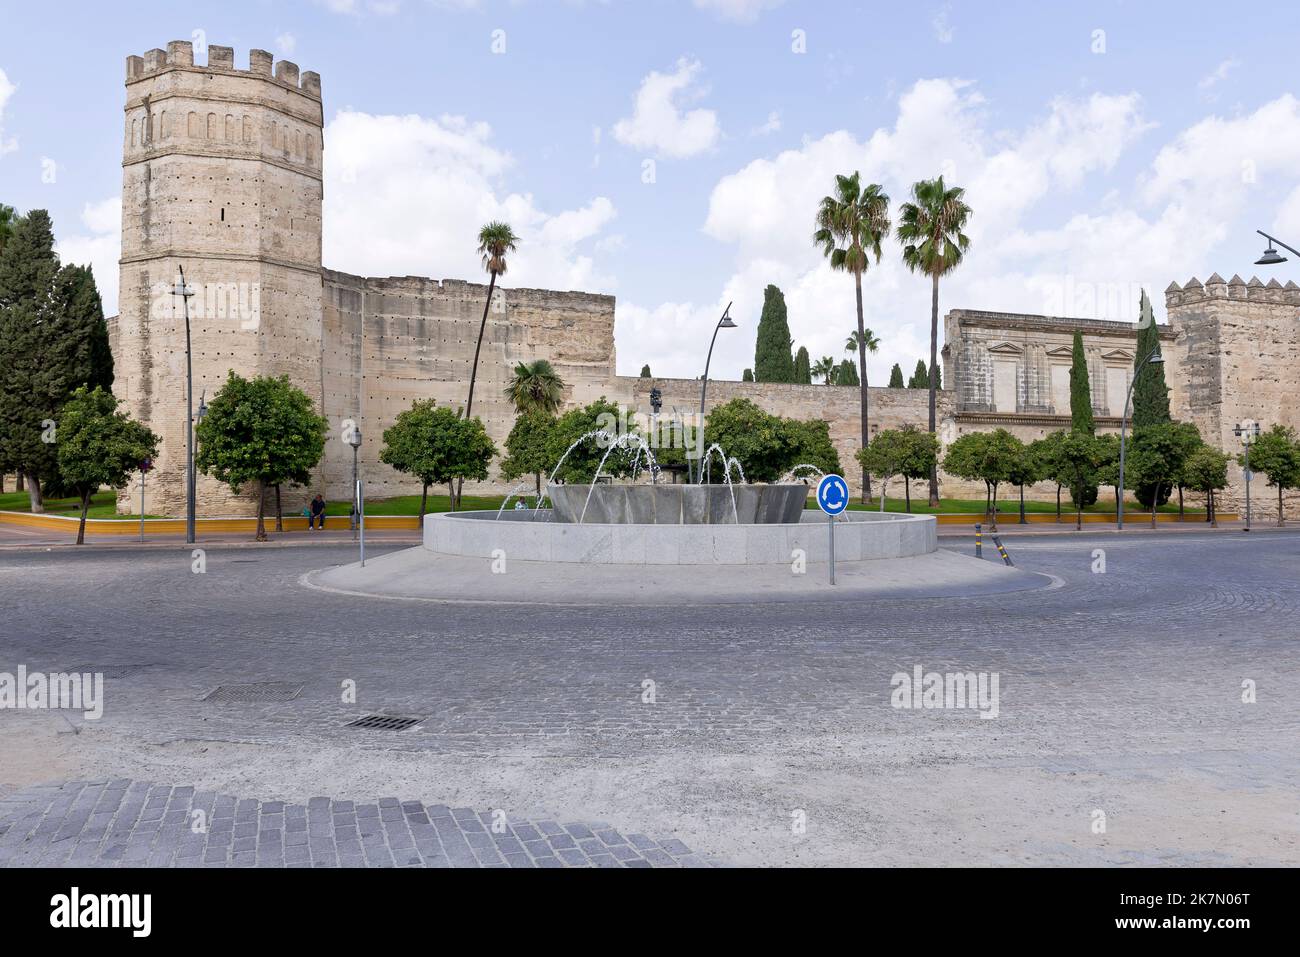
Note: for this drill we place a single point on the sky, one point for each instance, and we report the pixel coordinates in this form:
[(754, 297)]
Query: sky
[(672, 153)]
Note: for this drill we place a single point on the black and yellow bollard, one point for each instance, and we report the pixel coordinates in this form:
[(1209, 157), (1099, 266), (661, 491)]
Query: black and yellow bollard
[(979, 541), (1002, 551)]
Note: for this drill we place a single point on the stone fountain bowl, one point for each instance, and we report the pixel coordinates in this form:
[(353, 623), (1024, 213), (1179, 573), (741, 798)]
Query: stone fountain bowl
[(669, 504)]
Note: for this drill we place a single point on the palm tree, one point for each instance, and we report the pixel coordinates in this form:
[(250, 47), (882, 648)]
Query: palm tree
[(494, 241), (867, 336), (535, 387), (930, 228), (824, 368), (850, 226)]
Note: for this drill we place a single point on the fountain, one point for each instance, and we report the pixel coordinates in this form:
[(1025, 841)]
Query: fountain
[(730, 522)]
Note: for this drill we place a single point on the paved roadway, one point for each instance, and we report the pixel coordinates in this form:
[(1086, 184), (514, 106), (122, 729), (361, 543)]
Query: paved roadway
[(770, 739)]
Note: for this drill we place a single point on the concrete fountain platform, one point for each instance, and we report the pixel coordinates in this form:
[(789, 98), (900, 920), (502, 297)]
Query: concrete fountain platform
[(420, 575), (524, 535)]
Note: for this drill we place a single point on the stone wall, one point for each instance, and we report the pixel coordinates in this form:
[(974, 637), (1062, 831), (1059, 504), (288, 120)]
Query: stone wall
[(390, 341), (1238, 349)]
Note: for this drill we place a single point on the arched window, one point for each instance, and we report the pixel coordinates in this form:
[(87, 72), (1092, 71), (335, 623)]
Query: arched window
[(212, 126), (248, 130), (230, 128), (192, 125)]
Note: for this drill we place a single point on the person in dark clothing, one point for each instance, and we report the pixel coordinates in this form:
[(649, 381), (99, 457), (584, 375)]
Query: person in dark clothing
[(317, 513)]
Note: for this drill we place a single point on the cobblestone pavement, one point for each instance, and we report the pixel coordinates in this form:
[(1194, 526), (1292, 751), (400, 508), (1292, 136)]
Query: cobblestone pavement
[(137, 824), (1120, 690)]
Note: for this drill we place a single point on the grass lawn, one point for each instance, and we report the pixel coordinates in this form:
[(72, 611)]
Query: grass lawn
[(102, 505)]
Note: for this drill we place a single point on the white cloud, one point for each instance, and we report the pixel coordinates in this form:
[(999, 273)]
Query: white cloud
[(7, 89), (659, 125), (772, 125), (739, 11), (286, 43), (407, 195), (100, 248), (382, 8), (764, 211), (941, 23), (1217, 75)]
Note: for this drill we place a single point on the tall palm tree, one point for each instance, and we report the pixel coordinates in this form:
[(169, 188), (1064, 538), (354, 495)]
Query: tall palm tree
[(850, 225), (930, 229), (494, 241), (824, 368), (535, 387)]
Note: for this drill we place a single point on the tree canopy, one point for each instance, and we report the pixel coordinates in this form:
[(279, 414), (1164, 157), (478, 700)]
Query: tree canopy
[(99, 446), (262, 431)]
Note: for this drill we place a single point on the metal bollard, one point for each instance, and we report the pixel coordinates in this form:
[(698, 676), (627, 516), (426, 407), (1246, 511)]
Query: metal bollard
[(979, 541), (1002, 551)]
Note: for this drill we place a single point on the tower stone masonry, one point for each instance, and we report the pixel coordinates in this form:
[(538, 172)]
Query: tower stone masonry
[(221, 175)]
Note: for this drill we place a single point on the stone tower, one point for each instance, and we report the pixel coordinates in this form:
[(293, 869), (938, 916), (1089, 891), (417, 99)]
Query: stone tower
[(221, 175), (1237, 348)]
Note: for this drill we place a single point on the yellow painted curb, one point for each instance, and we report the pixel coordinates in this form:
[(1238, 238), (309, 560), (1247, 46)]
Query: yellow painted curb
[(165, 526), (1012, 517)]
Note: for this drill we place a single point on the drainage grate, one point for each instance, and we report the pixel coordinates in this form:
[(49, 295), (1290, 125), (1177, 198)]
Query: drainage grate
[(258, 691), (383, 722), (108, 671)]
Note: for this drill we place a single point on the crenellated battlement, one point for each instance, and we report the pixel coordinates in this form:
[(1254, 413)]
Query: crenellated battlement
[(179, 55), (1236, 288)]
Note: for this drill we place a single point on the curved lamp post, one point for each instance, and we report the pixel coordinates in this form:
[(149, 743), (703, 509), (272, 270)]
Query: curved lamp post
[(723, 323), (1154, 358), (1271, 256), (185, 292)]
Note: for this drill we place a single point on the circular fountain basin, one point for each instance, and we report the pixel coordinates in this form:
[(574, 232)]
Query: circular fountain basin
[(534, 536), (668, 504)]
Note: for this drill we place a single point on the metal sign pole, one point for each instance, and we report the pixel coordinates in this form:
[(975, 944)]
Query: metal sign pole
[(142, 506), (830, 524), (361, 519)]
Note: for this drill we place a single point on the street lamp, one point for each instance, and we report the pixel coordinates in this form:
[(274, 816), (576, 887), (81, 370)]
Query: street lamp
[(1247, 432), (1153, 358), (354, 440), (1271, 256), (185, 292), (723, 323)]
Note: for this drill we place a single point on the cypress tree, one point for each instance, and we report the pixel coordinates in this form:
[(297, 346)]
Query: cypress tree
[(772, 359), (896, 377), (35, 379), (938, 377), (645, 371), (1081, 420), (802, 367), (847, 373), (1150, 394), (919, 378), (1080, 390), (747, 376)]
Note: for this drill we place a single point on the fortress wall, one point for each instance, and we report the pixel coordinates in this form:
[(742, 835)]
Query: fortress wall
[(391, 341), (1238, 348)]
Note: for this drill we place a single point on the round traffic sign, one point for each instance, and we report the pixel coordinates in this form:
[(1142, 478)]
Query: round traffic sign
[(832, 494)]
